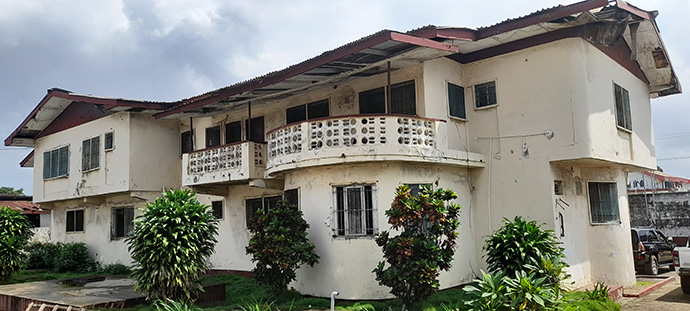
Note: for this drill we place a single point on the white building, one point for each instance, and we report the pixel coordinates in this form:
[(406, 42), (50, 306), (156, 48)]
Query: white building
[(540, 116)]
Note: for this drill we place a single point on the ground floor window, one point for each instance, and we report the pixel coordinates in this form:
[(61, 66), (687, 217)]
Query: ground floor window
[(75, 220), (254, 205), (291, 196), (122, 222), (217, 209), (355, 210), (603, 202)]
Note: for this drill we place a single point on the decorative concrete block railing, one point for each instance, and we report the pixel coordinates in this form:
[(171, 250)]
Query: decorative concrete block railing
[(358, 138), (236, 162)]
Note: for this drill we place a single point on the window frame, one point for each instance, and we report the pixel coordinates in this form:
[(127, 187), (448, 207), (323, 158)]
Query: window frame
[(369, 214), (416, 188), (296, 193), (264, 205), (301, 113), (373, 93), (215, 211), (449, 85), (186, 139), (474, 94), (207, 137), (622, 102), (590, 203), (110, 134), (235, 128), (74, 223), (127, 210), (89, 166), (49, 168)]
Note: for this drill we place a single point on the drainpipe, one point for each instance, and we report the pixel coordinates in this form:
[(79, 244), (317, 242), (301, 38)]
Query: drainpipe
[(249, 121), (191, 129), (388, 92), (333, 294)]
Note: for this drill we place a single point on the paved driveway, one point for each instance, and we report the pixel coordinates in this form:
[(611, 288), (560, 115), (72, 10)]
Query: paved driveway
[(668, 298)]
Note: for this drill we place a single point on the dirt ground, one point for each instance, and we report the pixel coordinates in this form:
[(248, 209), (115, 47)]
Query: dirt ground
[(667, 298)]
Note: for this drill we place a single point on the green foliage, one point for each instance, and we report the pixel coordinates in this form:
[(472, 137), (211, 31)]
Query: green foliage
[(116, 269), (74, 257), (254, 304), (279, 245), (15, 232), (528, 292), (170, 245), (519, 244), (10, 190), (424, 247), (171, 305), (600, 292), (42, 255), (490, 293)]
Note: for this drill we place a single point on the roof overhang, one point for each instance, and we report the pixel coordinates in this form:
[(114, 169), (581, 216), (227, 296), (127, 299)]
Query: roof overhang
[(57, 100)]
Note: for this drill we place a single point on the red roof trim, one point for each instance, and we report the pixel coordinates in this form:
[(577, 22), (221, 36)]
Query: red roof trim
[(541, 17), (26, 159), (636, 11)]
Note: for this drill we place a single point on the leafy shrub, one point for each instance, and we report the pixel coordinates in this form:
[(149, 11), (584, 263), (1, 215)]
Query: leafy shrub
[(490, 293), (15, 232), (170, 245), (74, 257), (279, 245), (42, 255), (600, 292), (171, 305), (528, 292), (116, 269), (425, 246)]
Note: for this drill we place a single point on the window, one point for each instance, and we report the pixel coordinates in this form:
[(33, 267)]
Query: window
[(233, 132), (603, 202), (75, 221), (355, 211), (485, 94), (256, 129), (217, 209), (122, 222), (108, 141), (213, 136), (90, 153), (254, 205), (415, 189), (291, 196), (623, 118), (456, 101), (186, 142), (56, 163), (403, 99), (309, 111)]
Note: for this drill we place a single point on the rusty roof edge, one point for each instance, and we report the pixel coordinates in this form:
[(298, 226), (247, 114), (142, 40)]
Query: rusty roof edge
[(26, 159)]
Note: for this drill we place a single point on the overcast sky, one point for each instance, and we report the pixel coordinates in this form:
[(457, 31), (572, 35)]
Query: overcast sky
[(165, 50)]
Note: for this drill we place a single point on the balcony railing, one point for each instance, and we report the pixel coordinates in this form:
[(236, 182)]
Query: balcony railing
[(224, 164), (357, 139)]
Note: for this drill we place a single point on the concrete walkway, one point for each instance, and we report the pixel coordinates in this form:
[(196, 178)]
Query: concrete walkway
[(667, 298)]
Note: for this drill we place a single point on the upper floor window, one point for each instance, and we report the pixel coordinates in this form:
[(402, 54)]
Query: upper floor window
[(603, 202), (318, 109), (213, 136), (56, 163), (233, 132), (122, 222), (108, 141), (75, 221), (90, 153), (456, 101), (623, 118), (485, 94), (186, 142), (403, 99), (355, 211)]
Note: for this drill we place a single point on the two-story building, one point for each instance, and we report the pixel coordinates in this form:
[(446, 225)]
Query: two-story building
[(540, 116)]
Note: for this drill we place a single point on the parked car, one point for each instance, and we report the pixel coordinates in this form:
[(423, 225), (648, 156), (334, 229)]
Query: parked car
[(651, 249), (681, 258)]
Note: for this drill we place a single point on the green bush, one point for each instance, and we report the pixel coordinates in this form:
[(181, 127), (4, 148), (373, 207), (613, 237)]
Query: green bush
[(15, 232), (489, 294), (171, 305), (74, 257), (279, 245), (599, 292), (170, 245), (116, 269), (425, 246), (41, 255)]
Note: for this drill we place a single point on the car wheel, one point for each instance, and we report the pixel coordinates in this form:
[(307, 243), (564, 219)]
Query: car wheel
[(685, 284), (652, 266)]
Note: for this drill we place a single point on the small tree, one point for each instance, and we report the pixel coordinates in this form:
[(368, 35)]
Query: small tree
[(170, 245), (279, 245), (425, 246), (15, 232)]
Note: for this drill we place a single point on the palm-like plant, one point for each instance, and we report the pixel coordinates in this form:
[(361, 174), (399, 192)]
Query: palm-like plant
[(15, 232)]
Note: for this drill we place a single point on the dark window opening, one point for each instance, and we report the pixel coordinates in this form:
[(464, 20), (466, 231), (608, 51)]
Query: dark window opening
[(372, 101), (90, 153), (213, 136), (292, 197), (415, 189), (217, 209), (318, 109), (456, 100), (603, 202), (403, 99), (233, 132), (256, 130), (122, 222), (485, 94), (186, 142), (296, 114), (108, 141), (623, 117), (56, 163), (254, 205), (354, 211), (75, 221)]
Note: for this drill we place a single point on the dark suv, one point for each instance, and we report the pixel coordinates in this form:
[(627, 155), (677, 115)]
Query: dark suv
[(651, 249)]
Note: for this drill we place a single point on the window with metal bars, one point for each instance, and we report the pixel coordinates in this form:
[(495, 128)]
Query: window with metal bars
[(355, 211), (122, 222), (56, 163), (108, 141), (485, 94), (623, 117), (456, 101), (90, 153), (603, 202)]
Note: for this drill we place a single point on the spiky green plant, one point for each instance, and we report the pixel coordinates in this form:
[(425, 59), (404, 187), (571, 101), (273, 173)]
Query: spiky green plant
[(170, 245), (15, 232), (172, 305), (279, 245)]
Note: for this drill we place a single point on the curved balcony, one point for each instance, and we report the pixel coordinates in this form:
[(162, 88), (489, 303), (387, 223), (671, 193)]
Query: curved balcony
[(362, 138), (224, 164)]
